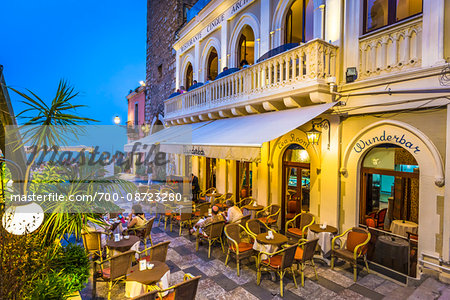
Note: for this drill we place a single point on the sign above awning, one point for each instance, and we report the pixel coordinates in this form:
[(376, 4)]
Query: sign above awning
[(239, 138)]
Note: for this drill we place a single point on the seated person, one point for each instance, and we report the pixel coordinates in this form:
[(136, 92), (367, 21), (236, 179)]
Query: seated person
[(234, 213), (215, 217), (138, 221)]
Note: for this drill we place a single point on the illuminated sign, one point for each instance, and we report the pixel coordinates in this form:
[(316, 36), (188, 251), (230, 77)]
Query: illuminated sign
[(386, 138), (213, 25)]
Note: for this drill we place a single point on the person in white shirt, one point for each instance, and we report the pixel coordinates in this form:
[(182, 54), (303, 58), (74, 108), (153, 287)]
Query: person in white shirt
[(233, 213)]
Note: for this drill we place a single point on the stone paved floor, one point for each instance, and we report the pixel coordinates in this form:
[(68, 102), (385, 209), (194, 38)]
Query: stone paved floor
[(221, 282)]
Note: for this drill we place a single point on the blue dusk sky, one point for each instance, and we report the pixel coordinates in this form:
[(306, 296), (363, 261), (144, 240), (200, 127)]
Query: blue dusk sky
[(98, 46)]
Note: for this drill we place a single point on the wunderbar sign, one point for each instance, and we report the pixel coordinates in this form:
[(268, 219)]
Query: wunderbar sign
[(393, 139)]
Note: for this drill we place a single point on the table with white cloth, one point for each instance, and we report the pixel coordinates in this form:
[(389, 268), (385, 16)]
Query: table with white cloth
[(115, 248), (268, 245), (137, 281), (325, 235), (400, 227)]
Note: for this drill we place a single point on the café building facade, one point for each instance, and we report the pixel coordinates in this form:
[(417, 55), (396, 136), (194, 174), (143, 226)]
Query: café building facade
[(339, 108)]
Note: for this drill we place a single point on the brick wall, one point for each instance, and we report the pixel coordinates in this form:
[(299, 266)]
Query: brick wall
[(164, 18)]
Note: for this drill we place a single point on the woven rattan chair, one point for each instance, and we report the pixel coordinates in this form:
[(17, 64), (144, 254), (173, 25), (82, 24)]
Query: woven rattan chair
[(157, 252), (255, 227), (354, 248), (117, 270), (147, 296), (186, 290), (305, 253), (92, 242), (245, 201), (144, 232), (212, 233), (202, 195), (201, 210), (237, 247), (243, 220), (305, 220), (280, 262), (269, 215), (182, 217)]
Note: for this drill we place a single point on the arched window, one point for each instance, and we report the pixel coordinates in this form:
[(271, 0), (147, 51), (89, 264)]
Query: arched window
[(212, 64), (299, 22), (189, 78), (389, 180), (246, 47)]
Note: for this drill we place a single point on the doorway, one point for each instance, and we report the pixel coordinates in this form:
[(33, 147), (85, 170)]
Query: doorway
[(295, 182)]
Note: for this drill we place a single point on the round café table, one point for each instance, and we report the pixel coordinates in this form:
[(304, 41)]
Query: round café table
[(253, 209), (278, 239), (123, 245), (269, 246), (400, 227), (137, 281), (212, 196)]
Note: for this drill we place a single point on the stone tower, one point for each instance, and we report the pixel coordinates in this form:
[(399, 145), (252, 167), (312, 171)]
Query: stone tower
[(164, 18)]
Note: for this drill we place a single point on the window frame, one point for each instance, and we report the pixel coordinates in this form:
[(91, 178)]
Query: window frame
[(392, 13)]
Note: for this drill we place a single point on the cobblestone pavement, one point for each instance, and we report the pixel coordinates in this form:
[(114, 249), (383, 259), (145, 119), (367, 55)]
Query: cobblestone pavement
[(221, 282)]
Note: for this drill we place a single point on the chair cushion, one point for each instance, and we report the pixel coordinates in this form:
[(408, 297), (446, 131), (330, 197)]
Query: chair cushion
[(298, 254), (147, 258), (354, 239), (178, 217), (168, 213), (106, 273), (344, 254), (243, 247), (290, 216), (296, 231), (169, 296), (267, 221), (275, 261)]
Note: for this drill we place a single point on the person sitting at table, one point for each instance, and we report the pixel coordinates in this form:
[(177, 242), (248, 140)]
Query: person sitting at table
[(139, 220), (202, 223), (234, 213)]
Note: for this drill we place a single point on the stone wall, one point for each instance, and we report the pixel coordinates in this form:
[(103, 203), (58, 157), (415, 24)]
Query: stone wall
[(164, 18)]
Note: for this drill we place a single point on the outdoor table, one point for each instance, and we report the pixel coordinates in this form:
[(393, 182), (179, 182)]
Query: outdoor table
[(392, 252), (123, 245), (400, 227), (253, 209), (269, 246), (325, 236), (137, 281)]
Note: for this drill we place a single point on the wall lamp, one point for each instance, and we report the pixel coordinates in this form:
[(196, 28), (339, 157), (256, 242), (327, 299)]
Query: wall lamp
[(313, 135)]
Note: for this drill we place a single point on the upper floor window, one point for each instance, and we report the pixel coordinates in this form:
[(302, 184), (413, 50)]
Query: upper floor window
[(246, 50), (299, 22), (380, 13), (213, 65), (189, 77), (136, 114)]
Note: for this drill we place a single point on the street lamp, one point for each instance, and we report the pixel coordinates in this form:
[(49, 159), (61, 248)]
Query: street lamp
[(117, 120), (313, 135)]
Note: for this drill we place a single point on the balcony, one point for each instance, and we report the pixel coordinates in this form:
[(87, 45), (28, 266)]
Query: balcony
[(290, 79), (391, 50)]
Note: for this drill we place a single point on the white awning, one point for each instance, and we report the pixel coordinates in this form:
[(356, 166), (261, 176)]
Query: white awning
[(239, 138)]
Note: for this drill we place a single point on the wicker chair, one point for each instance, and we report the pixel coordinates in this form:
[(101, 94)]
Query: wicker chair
[(269, 215), (280, 262), (245, 201), (236, 246), (243, 220), (201, 210), (143, 189), (212, 233), (305, 220), (254, 227), (145, 232), (118, 269), (158, 252), (186, 290), (220, 201), (202, 195), (304, 253), (183, 217), (147, 296), (355, 248), (92, 242)]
